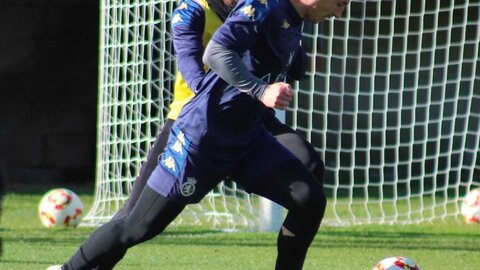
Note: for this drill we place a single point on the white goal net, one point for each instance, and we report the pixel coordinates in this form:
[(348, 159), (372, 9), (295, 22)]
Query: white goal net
[(391, 102)]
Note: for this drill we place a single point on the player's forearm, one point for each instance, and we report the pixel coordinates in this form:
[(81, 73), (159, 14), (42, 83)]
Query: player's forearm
[(230, 67)]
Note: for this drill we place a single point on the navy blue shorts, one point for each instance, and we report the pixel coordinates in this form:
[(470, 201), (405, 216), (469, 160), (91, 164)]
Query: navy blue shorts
[(185, 175)]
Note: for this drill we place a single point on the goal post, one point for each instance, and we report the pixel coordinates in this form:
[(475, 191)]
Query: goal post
[(391, 101)]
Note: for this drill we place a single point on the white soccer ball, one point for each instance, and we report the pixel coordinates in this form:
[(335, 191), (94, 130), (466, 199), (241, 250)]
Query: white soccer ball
[(396, 263), (471, 206), (60, 207)]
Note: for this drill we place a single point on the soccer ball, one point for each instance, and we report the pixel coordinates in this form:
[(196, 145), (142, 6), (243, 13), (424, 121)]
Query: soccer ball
[(396, 263), (471, 206), (60, 207)]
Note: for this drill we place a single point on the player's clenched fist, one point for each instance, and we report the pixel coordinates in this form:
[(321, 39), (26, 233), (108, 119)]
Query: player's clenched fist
[(278, 95)]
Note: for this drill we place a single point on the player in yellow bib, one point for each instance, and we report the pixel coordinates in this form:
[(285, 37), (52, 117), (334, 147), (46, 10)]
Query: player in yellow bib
[(197, 21), (193, 24)]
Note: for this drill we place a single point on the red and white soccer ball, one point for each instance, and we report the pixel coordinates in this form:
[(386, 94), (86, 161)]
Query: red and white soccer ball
[(60, 207), (396, 263), (471, 206)]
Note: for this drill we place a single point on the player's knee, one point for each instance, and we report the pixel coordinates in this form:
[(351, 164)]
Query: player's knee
[(139, 231), (309, 198), (118, 232), (131, 236), (128, 232)]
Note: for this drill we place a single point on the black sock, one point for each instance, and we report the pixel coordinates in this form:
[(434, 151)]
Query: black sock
[(294, 239), (292, 251)]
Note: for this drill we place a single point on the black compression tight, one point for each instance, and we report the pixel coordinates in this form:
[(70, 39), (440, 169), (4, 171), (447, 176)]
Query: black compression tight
[(146, 170), (140, 182), (109, 243)]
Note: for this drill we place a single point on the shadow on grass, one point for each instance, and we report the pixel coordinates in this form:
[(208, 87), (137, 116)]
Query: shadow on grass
[(327, 239)]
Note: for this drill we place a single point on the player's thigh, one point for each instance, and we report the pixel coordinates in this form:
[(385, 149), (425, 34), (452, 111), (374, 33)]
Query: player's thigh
[(265, 153), (298, 146), (288, 138), (292, 186), (273, 172), (293, 141), (157, 149), (152, 159), (275, 126)]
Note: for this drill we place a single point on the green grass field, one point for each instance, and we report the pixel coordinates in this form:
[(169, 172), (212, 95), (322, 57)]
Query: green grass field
[(450, 245)]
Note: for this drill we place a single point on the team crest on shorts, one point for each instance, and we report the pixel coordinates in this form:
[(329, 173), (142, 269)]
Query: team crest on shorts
[(188, 188)]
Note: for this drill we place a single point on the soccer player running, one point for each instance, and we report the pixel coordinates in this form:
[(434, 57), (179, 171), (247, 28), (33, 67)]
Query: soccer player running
[(193, 24), (220, 133)]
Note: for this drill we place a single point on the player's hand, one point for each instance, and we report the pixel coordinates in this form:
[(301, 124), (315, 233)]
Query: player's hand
[(278, 95)]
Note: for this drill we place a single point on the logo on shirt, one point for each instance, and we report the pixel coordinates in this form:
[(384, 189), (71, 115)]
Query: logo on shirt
[(183, 5), (176, 18), (285, 24), (188, 188), (249, 11)]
